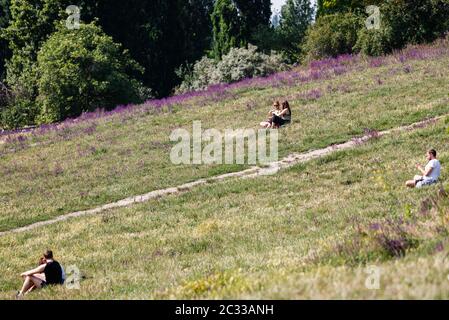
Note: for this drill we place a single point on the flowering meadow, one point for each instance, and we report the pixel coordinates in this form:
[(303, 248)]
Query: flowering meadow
[(309, 232), (315, 71)]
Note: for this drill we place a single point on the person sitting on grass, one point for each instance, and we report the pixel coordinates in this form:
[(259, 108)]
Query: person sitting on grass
[(430, 174), (276, 110), (49, 272), (284, 117)]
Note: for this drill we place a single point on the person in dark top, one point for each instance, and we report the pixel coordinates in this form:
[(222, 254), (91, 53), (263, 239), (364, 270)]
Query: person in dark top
[(49, 272), (284, 117), (276, 110)]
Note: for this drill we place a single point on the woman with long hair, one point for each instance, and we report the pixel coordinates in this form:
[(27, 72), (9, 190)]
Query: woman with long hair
[(284, 117)]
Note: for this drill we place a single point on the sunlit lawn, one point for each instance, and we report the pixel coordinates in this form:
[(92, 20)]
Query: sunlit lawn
[(287, 236), (94, 163)]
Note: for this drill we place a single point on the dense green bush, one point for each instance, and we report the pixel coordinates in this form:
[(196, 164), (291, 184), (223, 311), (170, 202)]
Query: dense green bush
[(405, 22), (4, 100), (72, 72), (267, 39), (373, 42), (238, 64), (415, 21), (20, 109), (235, 22), (332, 35), (4, 50), (159, 34), (29, 25), (227, 26), (82, 70)]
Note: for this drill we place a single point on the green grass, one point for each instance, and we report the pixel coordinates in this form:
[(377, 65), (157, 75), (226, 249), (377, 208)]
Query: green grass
[(71, 170), (285, 236), (306, 232)]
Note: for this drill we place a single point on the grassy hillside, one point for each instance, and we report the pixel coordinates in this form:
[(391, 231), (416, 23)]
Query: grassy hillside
[(295, 235), (308, 232), (83, 164)]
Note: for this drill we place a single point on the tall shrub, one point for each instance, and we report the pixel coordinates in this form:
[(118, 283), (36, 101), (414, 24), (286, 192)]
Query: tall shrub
[(227, 28), (82, 70), (332, 35)]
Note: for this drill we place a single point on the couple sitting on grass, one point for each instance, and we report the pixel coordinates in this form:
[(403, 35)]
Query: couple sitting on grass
[(429, 174), (49, 272), (278, 116)]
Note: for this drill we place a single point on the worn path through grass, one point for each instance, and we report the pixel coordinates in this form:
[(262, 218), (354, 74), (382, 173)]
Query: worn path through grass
[(95, 162), (292, 235), (270, 169)]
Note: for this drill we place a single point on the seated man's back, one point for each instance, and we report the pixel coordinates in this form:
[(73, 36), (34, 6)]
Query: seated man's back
[(436, 169)]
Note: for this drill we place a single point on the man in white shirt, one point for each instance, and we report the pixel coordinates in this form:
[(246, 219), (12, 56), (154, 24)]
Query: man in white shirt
[(430, 174)]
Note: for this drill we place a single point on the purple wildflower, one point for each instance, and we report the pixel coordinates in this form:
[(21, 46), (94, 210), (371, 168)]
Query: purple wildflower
[(21, 138), (317, 70), (90, 130), (376, 62), (340, 70), (313, 94)]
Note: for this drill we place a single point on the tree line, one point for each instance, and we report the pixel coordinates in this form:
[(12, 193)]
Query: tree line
[(129, 51)]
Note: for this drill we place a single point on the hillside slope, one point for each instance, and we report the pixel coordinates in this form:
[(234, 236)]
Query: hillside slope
[(305, 233), (99, 159)]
